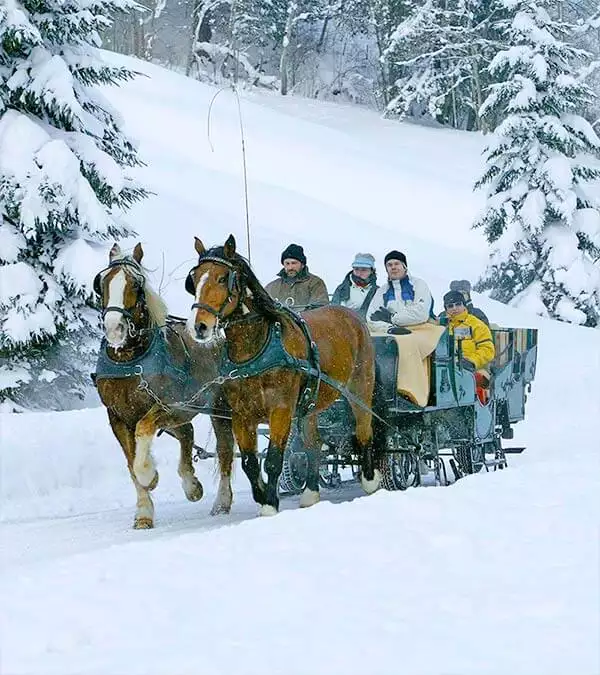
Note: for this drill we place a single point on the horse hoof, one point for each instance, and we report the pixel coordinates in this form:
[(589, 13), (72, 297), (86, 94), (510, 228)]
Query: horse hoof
[(309, 498), (194, 490), (219, 509), (143, 523), (371, 486), (267, 510)]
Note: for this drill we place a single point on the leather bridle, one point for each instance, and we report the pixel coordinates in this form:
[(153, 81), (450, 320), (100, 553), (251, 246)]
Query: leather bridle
[(132, 329), (234, 283)]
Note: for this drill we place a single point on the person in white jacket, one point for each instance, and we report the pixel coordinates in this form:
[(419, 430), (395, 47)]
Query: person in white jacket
[(402, 302)]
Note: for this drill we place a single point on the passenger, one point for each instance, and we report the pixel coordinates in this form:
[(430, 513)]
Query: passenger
[(402, 302), (464, 286), (359, 285), (295, 285), (478, 349)]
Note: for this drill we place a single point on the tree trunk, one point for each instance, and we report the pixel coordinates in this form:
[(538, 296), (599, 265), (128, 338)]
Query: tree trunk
[(201, 31), (285, 51)]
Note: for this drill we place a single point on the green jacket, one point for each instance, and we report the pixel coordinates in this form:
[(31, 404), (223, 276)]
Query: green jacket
[(299, 291)]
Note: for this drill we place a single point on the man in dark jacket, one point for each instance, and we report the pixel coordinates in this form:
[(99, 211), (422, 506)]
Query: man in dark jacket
[(295, 286), (359, 285), (463, 286)]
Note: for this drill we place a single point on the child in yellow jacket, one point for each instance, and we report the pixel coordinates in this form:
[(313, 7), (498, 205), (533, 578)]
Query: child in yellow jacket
[(478, 349)]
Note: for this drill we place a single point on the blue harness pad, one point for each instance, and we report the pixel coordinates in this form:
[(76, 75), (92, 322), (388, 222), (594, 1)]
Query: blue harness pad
[(156, 360)]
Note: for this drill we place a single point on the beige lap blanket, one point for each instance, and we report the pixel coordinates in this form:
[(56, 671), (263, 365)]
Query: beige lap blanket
[(413, 360)]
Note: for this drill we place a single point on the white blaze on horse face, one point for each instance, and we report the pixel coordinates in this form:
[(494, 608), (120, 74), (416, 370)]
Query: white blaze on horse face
[(208, 320), (115, 325), (200, 286)]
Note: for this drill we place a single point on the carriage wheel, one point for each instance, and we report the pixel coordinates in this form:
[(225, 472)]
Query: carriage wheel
[(399, 470), (470, 457), (294, 472)]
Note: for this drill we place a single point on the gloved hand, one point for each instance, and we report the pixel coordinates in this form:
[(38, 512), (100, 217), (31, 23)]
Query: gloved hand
[(398, 330), (465, 364), (382, 314)]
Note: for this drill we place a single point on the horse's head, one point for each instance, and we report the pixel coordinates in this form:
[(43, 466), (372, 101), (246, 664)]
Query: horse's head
[(217, 285), (121, 288)]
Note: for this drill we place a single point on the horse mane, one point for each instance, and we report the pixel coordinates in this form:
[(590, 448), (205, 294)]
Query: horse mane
[(157, 308), (263, 302)]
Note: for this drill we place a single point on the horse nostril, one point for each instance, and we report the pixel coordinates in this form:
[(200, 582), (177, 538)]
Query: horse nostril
[(200, 329)]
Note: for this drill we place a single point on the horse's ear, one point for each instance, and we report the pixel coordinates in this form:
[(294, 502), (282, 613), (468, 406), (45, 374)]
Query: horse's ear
[(229, 248), (138, 253), (199, 246), (115, 252)]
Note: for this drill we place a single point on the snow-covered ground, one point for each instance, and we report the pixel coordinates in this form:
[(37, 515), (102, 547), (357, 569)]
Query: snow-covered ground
[(496, 574)]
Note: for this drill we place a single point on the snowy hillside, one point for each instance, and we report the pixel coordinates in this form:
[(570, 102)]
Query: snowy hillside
[(496, 574)]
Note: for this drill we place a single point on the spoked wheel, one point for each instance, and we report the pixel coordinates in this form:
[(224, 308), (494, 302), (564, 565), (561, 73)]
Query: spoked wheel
[(470, 457), (294, 472), (399, 470), (329, 478)]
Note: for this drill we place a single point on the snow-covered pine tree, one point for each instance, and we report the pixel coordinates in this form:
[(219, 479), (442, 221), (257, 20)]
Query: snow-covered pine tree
[(63, 181), (441, 52), (542, 216), (236, 40)]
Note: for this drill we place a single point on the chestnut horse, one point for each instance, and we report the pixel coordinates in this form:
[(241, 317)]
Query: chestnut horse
[(267, 348), (172, 365)]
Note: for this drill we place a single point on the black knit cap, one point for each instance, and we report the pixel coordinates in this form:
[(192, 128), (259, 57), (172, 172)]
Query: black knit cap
[(395, 255), (294, 251), (454, 298)]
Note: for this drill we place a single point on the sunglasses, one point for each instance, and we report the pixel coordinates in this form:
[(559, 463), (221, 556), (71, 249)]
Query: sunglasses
[(452, 305)]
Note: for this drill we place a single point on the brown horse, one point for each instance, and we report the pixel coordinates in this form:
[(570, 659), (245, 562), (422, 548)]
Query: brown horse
[(267, 347), (141, 348)]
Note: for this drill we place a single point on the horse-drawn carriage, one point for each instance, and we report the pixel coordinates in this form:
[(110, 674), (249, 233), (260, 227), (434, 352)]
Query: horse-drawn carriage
[(411, 439), (319, 373)]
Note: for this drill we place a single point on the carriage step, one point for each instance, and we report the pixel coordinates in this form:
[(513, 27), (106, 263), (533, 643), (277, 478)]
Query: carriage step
[(513, 451)]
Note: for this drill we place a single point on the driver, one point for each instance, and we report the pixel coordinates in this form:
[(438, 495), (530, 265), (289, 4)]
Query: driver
[(295, 286)]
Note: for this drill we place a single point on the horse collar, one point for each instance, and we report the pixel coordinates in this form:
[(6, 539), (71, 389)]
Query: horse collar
[(271, 355), (154, 360)]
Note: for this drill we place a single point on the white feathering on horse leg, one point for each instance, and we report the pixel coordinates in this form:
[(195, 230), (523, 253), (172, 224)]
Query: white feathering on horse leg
[(143, 463), (144, 513), (267, 510), (224, 497), (371, 486), (309, 498)]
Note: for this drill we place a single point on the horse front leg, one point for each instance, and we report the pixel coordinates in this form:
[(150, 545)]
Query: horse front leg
[(225, 444), (245, 435), (192, 487), (144, 514), (370, 477), (143, 462), (280, 422), (311, 440)]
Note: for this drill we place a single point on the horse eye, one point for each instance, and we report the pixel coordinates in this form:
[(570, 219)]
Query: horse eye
[(222, 280)]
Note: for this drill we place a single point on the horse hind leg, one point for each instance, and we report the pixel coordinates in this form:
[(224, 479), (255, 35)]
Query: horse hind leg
[(144, 514), (192, 487), (225, 444), (310, 437)]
